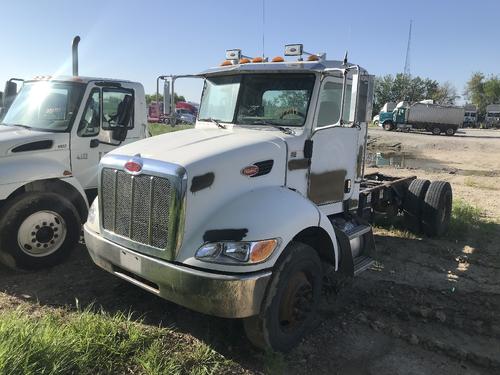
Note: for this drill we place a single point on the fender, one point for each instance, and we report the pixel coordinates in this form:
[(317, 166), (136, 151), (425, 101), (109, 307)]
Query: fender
[(263, 213), (19, 171)]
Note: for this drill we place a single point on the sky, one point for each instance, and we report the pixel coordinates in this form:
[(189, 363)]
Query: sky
[(139, 40)]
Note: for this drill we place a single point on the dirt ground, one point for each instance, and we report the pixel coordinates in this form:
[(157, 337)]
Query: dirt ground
[(429, 306)]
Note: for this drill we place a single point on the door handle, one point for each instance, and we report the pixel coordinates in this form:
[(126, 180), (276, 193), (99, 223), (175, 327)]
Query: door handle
[(94, 143)]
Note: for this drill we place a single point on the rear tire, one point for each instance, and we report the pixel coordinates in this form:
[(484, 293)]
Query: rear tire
[(436, 130), (291, 302), (38, 230), (450, 131), (436, 213), (413, 204)]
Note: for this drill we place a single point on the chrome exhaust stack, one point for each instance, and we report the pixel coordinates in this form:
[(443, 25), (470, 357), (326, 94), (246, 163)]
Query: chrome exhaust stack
[(74, 50)]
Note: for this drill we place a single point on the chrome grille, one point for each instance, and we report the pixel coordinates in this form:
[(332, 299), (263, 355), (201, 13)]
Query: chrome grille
[(136, 207)]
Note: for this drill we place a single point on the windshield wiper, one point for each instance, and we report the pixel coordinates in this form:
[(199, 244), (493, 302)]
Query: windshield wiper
[(275, 125), (215, 121)]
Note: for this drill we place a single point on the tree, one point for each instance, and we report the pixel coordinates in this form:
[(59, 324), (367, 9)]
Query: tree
[(401, 87), (482, 91)]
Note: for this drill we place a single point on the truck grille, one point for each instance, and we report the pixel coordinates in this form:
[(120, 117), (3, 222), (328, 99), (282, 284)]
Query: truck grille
[(136, 207)]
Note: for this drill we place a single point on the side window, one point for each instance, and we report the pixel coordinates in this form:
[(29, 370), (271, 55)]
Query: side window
[(112, 102), (91, 119), (330, 99)]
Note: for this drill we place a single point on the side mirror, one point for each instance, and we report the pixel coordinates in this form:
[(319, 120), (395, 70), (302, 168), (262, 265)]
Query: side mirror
[(9, 94), (362, 98), (119, 134), (167, 99)]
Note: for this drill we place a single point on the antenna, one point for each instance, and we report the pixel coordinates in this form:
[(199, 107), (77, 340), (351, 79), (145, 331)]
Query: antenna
[(263, 25), (406, 71)]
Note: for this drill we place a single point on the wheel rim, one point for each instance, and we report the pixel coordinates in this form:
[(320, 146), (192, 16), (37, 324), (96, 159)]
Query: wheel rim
[(296, 304), (41, 233), (436, 131)]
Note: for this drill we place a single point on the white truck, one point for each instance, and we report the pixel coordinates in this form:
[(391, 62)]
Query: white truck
[(242, 216), (52, 137), (492, 117)]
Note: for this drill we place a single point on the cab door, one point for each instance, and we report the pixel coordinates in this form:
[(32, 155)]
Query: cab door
[(333, 167), (89, 142)]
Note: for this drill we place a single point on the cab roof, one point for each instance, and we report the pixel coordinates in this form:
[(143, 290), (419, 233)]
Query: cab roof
[(278, 67), (80, 79)]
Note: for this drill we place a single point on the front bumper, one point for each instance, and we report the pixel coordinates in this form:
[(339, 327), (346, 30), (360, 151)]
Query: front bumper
[(227, 296)]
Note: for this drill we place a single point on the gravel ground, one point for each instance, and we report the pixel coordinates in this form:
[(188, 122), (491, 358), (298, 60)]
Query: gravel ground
[(429, 306)]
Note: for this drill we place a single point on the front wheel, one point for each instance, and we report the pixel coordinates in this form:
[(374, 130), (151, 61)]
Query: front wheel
[(38, 230), (291, 302), (389, 126)]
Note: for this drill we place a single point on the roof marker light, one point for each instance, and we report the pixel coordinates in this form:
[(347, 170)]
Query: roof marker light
[(313, 58), (244, 60), (258, 59), (226, 63), (278, 59)]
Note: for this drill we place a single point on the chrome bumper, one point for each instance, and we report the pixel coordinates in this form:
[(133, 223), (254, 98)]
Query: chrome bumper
[(227, 296)]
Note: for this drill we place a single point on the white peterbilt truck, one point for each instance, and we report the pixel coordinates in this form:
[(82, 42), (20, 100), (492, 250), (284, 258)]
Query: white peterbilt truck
[(52, 136), (242, 216)]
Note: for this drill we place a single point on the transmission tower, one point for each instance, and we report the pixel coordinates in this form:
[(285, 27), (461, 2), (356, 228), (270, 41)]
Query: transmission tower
[(407, 59)]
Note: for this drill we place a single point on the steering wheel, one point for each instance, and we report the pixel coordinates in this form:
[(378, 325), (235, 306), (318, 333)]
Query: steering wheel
[(291, 111)]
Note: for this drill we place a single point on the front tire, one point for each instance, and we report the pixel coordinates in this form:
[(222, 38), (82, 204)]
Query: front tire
[(291, 302), (38, 230), (388, 126)]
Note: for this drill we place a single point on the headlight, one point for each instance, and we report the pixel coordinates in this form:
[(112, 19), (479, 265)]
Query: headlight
[(249, 252)]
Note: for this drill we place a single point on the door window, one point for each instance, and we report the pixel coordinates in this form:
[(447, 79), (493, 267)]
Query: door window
[(112, 102), (330, 100), (91, 119)]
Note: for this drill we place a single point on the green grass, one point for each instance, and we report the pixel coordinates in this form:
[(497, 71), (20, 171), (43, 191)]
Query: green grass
[(86, 342), (467, 219), (157, 129)]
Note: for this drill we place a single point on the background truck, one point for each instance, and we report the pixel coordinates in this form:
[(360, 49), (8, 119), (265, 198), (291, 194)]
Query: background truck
[(52, 137), (244, 215), (470, 116), (492, 117), (434, 118)]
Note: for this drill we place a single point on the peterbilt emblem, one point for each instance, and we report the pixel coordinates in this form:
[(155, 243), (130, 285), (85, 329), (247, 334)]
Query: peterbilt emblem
[(133, 166)]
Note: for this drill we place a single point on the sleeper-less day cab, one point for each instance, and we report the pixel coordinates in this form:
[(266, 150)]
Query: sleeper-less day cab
[(52, 136), (242, 216)]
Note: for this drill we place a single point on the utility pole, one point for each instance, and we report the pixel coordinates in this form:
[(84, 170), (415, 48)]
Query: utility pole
[(406, 71)]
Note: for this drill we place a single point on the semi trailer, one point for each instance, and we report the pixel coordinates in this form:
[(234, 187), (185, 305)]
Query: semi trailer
[(242, 216), (434, 118), (52, 135)]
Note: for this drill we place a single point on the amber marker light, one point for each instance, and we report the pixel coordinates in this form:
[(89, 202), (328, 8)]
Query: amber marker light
[(278, 59), (262, 250), (244, 60), (313, 58), (226, 63), (257, 60)]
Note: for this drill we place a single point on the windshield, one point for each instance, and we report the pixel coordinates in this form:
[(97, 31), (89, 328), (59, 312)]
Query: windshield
[(258, 99), (45, 105)]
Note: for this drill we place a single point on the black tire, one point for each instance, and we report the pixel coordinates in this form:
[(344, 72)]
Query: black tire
[(450, 131), (436, 213), (413, 204), (436, 130), (388, 126), (59, 234), (296, 282)]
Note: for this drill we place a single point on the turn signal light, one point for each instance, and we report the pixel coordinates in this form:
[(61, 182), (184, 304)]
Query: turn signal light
[(278, 59), (262, 250)]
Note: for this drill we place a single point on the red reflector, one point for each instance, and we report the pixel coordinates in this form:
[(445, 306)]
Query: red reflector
[(133, 166), (250, 170)]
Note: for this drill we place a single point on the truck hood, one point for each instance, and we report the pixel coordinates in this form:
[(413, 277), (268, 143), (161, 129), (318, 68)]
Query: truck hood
[(188, 147), (14, 140)]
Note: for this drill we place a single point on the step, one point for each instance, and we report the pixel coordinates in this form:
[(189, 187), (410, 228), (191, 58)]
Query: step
[(358, 231), (362, 263)]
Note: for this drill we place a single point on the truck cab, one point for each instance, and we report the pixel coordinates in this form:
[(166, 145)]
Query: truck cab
[(241, 216), (52, 137)]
